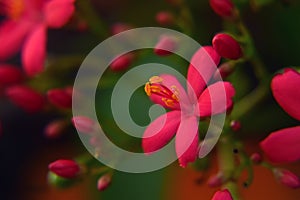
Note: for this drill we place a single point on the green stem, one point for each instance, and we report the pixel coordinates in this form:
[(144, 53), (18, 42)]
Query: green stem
[(251, 100), (227, 166)]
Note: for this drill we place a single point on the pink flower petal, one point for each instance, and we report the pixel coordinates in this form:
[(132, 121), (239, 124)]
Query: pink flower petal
[(282, 146), (160, 131), (187, 141), (286, 90), (216, 99), (12, 35), (202, 66), (34, 51), (58, 12)]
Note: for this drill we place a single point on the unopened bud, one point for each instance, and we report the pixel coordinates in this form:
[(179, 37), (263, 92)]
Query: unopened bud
[(55, 129), (26, 98), (165, 46), (84, 124), (256, 158), (59, 181), (224, 70), (65, 168), (227, 46), (164, 18), (287, 178), (103, 182), (10, 75), (216, 180), (119, 27), (235, 125), (222, 195), (223, 8), (122, 62), (61, 98)]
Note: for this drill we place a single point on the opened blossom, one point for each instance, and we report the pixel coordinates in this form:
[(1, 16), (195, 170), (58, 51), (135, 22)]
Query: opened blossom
[(187, 106), (26, 28), (282, 146)]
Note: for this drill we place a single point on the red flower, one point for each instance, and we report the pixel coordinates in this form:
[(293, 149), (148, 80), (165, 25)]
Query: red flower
[(183, 119), (61, 98), (283, 145), (26, 28)]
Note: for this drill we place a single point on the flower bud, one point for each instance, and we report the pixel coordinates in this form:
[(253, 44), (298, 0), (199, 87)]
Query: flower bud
[(165, 46), (223, 8), (55, 128), (103, 182), (26, 98), (65, 168), (119, 27), (256, 158), (235, 125), (10, 75), (61, 98), (222, 195), (216, 180), (83, 124), (287, 178), (227, 46), (164, 18), (224, 71), (58, 181), (122, 62)]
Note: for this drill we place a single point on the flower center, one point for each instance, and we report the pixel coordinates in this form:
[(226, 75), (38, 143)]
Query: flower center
[(155, 86), (14, 8)]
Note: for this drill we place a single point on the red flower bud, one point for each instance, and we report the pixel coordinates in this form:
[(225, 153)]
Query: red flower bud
[(55, 128), (216, 180), (224, 8), (83, 124), (103, 182), (165, 46), (256, 158), (222, 195), (235, 125), (224, 71), (65, 168), (122, 62), (26, 98), (287, 178), (227, 46), (119, 27), (61, 98), (164, 18), (10, 75)]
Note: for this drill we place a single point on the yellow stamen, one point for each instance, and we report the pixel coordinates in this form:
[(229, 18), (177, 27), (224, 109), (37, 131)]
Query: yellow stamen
[(168, 102), (156, 79), (147, 88)]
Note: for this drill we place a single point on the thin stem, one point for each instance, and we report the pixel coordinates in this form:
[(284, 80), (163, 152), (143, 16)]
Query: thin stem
[(250, 101), (227, 166), (96, 25)]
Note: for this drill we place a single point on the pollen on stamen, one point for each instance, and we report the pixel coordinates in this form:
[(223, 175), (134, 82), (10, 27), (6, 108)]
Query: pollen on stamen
[(156, 79), (168, 102), (147, 88)]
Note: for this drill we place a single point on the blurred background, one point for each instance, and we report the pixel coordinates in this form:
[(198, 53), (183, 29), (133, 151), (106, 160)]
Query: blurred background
[(25, 152)]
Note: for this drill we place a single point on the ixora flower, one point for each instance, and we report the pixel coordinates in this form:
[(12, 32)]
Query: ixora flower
[(186, 107), (222, 195), (25, 27), (282, 146)]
